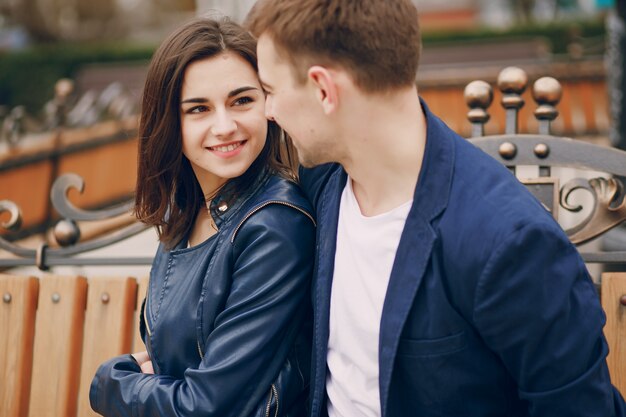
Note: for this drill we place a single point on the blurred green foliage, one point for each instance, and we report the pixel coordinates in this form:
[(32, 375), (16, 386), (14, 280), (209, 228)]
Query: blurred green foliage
[(27, 77), (559, 34)]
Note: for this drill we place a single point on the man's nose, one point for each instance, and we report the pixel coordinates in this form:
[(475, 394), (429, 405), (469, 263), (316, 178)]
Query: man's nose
[(269, 108)]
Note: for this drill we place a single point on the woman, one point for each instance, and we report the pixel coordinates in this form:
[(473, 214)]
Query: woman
[(226, 315)]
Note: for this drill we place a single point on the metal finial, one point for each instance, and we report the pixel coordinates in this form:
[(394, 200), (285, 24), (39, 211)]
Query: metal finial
[(63, 88), (478, 96), (547, 92), (512, 82), (66, 232)]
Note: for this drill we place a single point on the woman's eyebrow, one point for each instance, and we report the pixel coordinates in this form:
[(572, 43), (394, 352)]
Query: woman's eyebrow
[(240, 90), (194, 100), (232, 93)]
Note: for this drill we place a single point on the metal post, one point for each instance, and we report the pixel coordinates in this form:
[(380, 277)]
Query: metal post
[(616, 79)]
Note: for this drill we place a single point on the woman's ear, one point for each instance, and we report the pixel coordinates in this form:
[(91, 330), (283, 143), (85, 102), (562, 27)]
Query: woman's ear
[(325, 87)]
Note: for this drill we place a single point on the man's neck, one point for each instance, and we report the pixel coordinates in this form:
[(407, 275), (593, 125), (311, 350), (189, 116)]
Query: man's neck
[(386, 146)]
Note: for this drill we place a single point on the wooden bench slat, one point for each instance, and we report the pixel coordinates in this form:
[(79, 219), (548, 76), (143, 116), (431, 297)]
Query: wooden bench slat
[(108, 328), (613, 288), (17, 325), (142, 288), (57, 347)]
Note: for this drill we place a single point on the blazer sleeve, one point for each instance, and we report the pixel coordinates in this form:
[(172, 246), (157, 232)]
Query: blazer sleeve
[(537, 308), (272, 265)]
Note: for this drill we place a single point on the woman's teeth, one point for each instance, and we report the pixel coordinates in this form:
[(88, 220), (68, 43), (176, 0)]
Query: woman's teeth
[(226, 148)]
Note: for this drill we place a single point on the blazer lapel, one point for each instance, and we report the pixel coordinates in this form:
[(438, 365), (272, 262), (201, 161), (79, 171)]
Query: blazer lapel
[(327, 219), (416, 244)]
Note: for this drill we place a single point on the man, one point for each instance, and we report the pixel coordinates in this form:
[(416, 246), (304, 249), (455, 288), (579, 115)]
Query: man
[(442, 287)]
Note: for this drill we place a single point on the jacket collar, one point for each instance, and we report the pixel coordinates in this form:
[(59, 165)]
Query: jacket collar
[(222, 210)]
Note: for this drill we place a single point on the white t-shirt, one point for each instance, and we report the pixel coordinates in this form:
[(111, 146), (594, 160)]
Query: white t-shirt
[(366, 248)]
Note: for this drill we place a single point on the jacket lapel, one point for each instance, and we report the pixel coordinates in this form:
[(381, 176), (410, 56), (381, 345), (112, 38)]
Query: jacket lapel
[(416, 244), (327, 219)]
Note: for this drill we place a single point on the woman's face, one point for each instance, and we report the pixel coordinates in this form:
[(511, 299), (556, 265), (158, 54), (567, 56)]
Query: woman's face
[(222, 117)]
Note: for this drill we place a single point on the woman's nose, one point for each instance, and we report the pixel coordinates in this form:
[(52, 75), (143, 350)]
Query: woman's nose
[(224, 124)]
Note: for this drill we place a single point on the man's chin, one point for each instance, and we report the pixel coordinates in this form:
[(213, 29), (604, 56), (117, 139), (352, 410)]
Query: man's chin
[(311, 160), (308, 162)]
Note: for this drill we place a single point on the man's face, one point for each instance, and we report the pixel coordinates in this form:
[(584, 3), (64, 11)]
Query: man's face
[(293, 106)]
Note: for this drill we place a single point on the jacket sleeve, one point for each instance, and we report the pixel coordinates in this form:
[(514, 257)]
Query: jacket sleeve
[(272, 265), (537, 308)]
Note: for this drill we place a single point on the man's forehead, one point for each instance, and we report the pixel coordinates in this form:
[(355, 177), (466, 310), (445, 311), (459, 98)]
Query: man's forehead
[(270, 61)]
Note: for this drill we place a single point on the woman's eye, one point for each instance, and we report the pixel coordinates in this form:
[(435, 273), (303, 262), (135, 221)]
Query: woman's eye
[(241, 101), (197, 109)]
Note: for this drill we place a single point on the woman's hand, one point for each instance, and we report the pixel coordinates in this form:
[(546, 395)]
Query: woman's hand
[(144, 361)]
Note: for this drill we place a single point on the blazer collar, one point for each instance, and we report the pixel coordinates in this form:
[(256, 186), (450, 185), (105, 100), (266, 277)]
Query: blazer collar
[(416, 244), (435, 179)]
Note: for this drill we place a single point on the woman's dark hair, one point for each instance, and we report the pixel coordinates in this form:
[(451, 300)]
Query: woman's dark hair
[(168, 196)]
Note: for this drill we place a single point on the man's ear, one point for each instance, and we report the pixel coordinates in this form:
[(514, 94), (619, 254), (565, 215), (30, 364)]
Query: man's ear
[(325, 87)]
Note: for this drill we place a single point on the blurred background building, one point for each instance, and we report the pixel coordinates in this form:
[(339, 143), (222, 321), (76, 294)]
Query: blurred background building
[(23, 21), (87, 123)]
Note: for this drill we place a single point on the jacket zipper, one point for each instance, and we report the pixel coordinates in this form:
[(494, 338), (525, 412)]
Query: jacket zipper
[(273, 390), (273, 393), (267, 203), (145, 315)]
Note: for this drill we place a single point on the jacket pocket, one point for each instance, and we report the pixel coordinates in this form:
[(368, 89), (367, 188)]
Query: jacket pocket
[(432, 347), (433, 372)]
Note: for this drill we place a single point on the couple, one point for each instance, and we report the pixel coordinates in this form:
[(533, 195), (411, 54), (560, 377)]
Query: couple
[(439, 286)]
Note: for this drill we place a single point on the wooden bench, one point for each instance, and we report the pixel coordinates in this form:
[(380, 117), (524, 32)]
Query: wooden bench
[(58, 329)]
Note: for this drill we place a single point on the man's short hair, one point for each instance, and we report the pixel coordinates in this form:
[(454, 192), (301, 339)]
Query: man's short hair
[(377, 41)]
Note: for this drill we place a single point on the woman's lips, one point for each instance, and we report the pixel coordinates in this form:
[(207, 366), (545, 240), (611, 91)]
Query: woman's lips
[(227, 150)]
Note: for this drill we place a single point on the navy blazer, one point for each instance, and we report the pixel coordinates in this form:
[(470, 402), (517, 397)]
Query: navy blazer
[(489, 311)]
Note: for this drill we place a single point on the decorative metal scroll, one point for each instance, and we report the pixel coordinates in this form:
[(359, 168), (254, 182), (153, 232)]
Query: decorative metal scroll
[(67, 232), (608, 205)]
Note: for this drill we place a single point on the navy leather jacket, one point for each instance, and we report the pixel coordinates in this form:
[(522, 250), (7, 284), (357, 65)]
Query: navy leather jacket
[(252, 320)]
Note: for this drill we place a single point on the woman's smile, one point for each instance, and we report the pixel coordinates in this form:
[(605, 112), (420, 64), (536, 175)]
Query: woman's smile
[(227, 150)]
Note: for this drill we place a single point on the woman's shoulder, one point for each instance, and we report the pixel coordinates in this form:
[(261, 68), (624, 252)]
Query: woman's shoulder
[(280, 190), (279, 206)]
